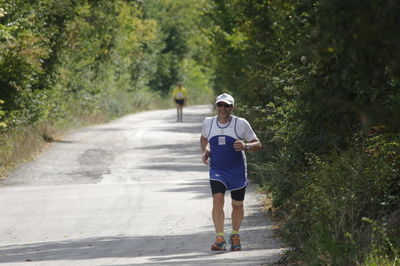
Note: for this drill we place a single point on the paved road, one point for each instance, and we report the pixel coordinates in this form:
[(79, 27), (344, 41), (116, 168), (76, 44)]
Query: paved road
[(130, 192)]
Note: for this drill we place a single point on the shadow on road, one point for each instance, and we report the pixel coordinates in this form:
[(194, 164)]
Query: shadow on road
[(200, 189), (184, 157), (188, 249)]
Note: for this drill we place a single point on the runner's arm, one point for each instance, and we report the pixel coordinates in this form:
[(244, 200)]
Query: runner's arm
[(247, 133), (205, 148), (252, 145)]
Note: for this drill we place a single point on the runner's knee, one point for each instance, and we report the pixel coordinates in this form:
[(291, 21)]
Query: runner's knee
[(218, 200), (237, 204), (219, 197)]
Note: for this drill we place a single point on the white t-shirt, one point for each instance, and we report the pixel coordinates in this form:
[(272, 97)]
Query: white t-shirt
[(241, 126)]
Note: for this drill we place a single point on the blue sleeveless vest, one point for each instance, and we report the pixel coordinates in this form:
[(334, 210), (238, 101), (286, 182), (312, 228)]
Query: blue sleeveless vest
[(226, 165)]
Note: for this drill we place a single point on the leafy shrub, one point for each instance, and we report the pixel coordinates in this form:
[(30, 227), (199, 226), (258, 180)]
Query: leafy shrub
[(318, 82)]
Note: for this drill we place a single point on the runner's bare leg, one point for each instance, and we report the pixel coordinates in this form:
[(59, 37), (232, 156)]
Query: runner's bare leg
[(218, 214), (237, 214)]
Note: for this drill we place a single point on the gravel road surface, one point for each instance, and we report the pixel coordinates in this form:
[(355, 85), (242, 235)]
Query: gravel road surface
[(129, 192)]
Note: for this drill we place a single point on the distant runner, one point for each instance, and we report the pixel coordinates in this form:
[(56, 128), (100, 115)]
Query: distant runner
[(180, 97), (224, 138)]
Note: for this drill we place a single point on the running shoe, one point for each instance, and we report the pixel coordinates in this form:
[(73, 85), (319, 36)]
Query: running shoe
[(234, 240), (219, 244)]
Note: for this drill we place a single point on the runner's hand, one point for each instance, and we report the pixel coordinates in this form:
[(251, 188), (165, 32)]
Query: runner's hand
[(205, 157), (239, 145)]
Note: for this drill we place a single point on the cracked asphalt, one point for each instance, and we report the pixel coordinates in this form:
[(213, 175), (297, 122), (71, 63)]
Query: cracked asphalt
[(130, 192)]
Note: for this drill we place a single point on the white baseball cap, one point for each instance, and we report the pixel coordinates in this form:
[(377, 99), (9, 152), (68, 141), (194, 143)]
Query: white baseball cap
[(226, 98)]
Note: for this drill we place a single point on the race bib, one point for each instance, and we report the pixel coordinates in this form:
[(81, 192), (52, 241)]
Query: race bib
[(222, 140)]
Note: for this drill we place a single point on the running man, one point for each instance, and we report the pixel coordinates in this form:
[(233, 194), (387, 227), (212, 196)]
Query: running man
[(180, 97), (224, 140)]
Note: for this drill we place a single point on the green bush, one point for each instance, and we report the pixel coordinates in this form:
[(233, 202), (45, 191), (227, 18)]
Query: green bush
[(318, 82)]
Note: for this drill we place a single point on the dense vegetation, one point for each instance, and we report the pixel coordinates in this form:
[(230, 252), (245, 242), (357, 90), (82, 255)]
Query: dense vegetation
[(66, 62), (319, 81)]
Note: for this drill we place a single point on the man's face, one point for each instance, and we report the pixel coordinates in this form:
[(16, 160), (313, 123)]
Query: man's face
[(224, 110)]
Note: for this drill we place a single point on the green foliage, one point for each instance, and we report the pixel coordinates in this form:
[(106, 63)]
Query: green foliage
[(63, 58), (64, 62), (318, 82), (23, 49), (105, 43), (337, 194), (181, 39), (2, 123), (197, 79), (384, 249)]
